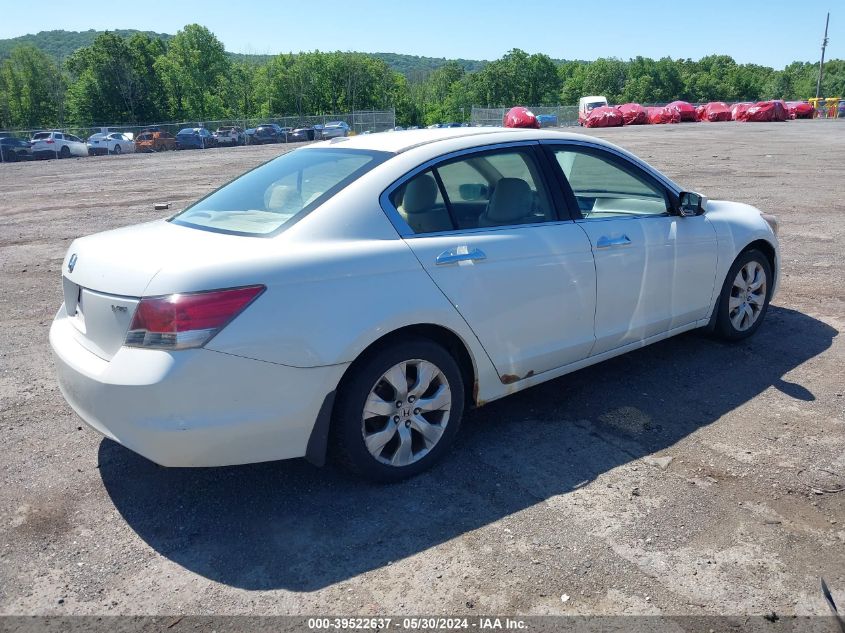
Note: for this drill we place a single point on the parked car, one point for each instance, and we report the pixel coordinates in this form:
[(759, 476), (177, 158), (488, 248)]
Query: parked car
[(155, 141), (57, 145), (111, 143), (305, 133), (218, 336), (270, 133), (230, 135), (195, 138), (335, 129), (13, 149)]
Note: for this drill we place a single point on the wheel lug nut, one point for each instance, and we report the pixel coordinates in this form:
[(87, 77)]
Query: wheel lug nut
[(407, 424), (411, 398), (398, 404), (396, 419), (417, 411)]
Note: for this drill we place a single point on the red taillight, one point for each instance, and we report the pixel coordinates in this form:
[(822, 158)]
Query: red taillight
[(179, 321), (49, 140)]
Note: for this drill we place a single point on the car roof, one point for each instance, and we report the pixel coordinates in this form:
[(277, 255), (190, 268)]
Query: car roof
[(396, 143)]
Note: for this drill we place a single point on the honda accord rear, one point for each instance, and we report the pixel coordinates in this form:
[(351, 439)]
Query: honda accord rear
[(155, 342)]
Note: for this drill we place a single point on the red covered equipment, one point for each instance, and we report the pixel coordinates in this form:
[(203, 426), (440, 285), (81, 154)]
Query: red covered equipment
[(604, 116), (633, 114), (685, 110), (657, 115), (520, 117), (713, 111), (800, 110), (764, 111), (739, 111)]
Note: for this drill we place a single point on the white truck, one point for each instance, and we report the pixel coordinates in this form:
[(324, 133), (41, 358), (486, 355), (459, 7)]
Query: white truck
[(586, 104)]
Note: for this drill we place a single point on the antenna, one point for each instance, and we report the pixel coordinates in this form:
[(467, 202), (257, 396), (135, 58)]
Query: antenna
[(821, 63)]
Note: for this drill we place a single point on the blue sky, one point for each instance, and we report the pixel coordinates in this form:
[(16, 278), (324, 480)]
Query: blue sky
[(770, 32)]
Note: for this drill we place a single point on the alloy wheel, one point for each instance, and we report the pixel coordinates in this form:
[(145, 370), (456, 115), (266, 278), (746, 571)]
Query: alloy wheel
[(748, 296), (406, 412)]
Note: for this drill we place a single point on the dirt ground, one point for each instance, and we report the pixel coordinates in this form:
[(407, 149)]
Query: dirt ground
[(549, 492)]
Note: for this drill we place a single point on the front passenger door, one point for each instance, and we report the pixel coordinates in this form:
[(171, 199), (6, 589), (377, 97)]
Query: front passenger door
[(654, 270)]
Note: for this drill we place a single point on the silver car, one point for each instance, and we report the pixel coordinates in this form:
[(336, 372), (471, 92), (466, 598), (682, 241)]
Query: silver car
[(335, 129)]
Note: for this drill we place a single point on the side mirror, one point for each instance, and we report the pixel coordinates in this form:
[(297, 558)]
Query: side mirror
[(691, 203), (472, 192)]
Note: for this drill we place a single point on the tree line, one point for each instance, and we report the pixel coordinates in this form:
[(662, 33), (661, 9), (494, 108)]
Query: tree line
[(190, 77)]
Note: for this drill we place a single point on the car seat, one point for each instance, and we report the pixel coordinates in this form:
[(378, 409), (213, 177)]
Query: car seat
[(511, 203)]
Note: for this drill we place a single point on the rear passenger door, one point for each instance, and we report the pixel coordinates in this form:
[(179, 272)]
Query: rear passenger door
[(499, 244)]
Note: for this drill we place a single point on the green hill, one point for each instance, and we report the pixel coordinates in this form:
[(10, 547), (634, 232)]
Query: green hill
[(60, 44)]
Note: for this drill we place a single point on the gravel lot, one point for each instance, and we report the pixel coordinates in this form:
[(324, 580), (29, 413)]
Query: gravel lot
[(550, 492)]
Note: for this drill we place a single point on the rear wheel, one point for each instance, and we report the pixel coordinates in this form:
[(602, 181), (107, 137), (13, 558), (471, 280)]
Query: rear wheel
[(400, 410), (117, 149), (64, 152), (745, 296)]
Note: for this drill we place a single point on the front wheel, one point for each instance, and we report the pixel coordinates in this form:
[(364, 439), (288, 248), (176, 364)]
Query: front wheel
[(64, 152), (399, 412), (745, 296)]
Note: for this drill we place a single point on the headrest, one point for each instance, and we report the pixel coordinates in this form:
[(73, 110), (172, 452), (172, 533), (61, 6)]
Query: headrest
[(420, 194), (511, 201), (283, 199)]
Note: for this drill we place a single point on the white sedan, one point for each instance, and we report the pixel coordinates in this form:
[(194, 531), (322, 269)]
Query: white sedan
[(356, 296), (111, 143)]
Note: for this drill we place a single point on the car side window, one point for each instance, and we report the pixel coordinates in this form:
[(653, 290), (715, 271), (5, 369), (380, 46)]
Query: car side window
[(492, 189), (604, 189), (485, 190), (420, 203)]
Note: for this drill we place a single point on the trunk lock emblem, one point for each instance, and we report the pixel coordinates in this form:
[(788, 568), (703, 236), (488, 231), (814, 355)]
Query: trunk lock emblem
[(71, 263)]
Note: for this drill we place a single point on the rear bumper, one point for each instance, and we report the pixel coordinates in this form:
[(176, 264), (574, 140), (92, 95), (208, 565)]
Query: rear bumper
[(192, 407)]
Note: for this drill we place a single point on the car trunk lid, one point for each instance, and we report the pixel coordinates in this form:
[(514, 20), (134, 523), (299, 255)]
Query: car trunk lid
[(105, 275)]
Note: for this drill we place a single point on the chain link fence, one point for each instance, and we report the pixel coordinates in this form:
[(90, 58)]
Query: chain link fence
[(360, 121), (550, 116)]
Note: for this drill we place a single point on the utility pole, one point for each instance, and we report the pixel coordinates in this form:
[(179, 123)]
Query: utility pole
[(821, 63)]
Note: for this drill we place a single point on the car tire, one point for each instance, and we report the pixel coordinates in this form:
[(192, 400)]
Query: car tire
[(64, 152), (744, 299), (367, 441), (117, 150), (11, 157)]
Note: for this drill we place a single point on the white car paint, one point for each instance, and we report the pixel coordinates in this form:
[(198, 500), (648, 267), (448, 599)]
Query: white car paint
[(543, 303), (111, 141)]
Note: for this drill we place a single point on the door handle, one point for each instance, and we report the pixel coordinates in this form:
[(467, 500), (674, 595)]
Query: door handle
[(460, 254), (611, 242)]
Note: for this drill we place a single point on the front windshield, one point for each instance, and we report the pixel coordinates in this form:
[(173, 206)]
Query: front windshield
[(275, 194)]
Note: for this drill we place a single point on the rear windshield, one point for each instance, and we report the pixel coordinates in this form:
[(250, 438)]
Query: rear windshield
[(188, 130), (41, 135), (276, 194)]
